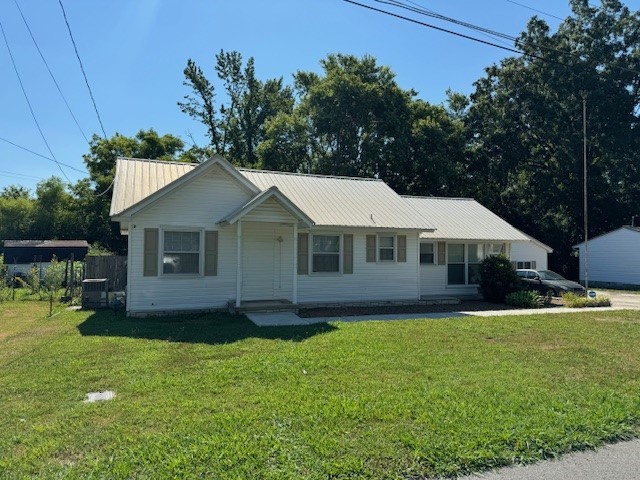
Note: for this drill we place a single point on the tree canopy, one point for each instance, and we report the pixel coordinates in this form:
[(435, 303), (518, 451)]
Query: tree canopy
[(514, 144)]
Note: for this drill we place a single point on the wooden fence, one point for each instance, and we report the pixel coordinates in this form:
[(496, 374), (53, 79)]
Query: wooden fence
[(112, 267)]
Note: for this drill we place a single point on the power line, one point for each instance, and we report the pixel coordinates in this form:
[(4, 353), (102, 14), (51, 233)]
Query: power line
[(51, 159), (16, 174), (535, 10), (424, 24), (50, 72), (15, 68), (516, 41), (40, 155), (95, 107)]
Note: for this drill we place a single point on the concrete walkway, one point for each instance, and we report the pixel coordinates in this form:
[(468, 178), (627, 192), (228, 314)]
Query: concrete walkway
[(620, 461), (288, 319)]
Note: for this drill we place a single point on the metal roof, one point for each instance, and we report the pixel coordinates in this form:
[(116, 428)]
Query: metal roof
[(326, 200), (136, 179), (463, 219), (343, 201)]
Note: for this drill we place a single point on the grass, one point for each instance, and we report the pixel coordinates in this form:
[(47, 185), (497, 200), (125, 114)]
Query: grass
[(216, 397)]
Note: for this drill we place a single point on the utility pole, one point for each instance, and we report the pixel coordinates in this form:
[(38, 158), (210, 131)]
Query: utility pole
[(584, 160)]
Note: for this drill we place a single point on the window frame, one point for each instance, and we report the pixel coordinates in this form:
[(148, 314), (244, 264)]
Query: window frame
[(394, 248), (340, 253), (466, 263), (433, 253), (161, 250)]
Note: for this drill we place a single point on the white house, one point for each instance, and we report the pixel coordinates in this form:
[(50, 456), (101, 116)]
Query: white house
[(466, 232), (200, 236), (614, 258)]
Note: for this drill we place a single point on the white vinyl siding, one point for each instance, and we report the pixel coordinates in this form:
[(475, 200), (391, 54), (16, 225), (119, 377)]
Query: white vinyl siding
[(435, 279), (370, 281), (613, 257), (529, 252), (270, 211), (202, 202)]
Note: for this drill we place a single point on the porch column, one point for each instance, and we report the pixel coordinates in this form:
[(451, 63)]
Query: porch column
[(239, 262), (295, 263)]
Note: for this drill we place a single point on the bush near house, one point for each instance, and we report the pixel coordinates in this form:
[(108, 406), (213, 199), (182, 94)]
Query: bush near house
[(497, 278), (580, 301), (525, 299)]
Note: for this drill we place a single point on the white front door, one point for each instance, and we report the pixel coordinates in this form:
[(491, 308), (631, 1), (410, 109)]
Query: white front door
[(267, 261)]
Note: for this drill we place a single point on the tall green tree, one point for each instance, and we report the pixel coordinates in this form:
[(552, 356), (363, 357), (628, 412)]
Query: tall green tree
[(525, 127), (354, 119), (236, 127)]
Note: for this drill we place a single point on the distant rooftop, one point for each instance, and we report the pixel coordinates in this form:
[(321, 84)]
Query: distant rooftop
[(46, 243)]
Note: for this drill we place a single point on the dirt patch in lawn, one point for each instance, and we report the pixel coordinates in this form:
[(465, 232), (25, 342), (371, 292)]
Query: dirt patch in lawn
[(470, 305)]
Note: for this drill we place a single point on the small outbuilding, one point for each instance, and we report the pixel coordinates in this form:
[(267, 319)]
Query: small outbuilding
[(614, 258), (20, 255)]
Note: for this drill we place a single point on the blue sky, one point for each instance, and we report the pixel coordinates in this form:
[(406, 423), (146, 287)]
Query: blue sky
[(134, 52)]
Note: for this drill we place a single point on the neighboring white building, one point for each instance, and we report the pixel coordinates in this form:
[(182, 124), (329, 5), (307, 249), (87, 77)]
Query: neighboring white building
[(614, 258), (200, 236)]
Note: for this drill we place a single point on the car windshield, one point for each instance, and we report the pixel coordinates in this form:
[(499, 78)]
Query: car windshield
[(549, 275)]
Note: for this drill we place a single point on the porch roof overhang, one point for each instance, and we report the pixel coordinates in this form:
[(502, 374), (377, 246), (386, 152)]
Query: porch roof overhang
[(255, 202)]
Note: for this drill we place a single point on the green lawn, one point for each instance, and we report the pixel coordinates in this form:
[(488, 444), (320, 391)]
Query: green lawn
[(216, 397)]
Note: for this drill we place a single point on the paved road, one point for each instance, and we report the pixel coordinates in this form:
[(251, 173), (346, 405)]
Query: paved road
[(620, 461)]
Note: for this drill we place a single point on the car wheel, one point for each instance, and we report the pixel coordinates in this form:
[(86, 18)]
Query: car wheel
[(550, 292)]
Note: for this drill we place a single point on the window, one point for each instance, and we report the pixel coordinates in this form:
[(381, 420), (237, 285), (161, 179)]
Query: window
[(427, 256), (455, 264), (526, 265), (386, 248), (463, 263), (496, 249), (326, 254), (181, 252), (475, 257)]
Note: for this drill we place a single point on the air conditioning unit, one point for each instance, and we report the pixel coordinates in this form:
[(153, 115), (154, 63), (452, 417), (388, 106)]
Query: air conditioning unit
[(95, 293)]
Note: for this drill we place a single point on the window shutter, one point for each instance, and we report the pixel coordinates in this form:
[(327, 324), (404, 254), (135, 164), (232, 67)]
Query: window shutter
[(347, 254), (371, 248), (150, 262), (533, 265), (303, 254), (442, 253), (211, 254), (402, 248)]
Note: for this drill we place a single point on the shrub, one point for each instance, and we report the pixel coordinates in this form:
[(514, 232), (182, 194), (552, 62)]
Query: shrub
[(580, 301), (525, 299), (497, 278), (33, 279)]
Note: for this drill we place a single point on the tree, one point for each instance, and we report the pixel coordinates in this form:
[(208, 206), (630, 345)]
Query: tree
[(359, 118), (525, 127), (92, 197), (236, 128), (14, 192), (52, 201)]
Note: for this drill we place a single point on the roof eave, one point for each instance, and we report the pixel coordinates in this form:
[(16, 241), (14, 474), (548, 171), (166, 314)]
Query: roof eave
[(272, 192)]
